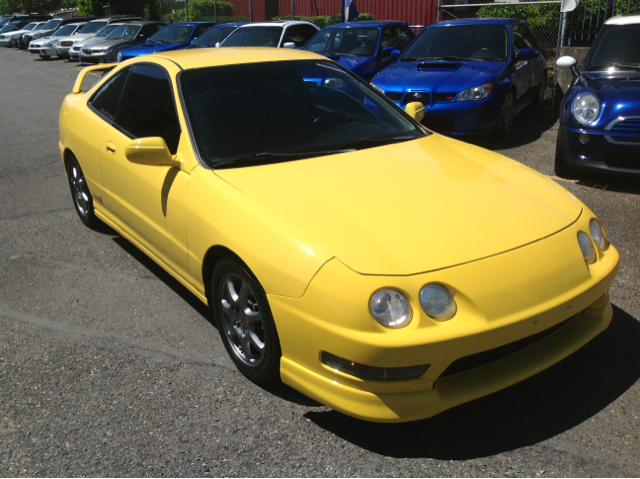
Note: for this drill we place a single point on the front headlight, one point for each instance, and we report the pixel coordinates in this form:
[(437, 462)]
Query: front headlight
[(586, 246), (597, 233), (476, 93), (585, 108), (437, 301), (52, 44), (120, 56), (390, 308)]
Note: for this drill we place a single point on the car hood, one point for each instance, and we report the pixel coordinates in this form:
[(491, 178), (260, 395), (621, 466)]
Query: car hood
[(439, 76), (411, 207), (355, 64), (115, 42), (78, 38), (89, 41), (619, 93)]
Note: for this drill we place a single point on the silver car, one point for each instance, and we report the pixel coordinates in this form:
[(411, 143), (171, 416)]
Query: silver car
[(126, 35), (90, 30), (45, 47)]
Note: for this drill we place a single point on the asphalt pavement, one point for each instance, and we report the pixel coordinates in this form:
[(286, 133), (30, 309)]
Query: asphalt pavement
[(108, 367)]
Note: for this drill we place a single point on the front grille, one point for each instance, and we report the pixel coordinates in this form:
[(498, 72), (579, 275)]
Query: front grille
[(438, 97), (86, 51), (394, 95), (630, 125), (473, 361), (422, 97), (66, 44), (372, 372)]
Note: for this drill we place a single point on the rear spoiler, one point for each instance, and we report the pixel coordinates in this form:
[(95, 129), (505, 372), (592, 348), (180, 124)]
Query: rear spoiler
[(77, 86)]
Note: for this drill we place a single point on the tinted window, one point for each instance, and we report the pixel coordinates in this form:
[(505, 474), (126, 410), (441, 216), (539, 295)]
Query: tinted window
[(254, 37), (473, 42), (616, 44), (518, 39), (126, 32), (107, 98), (213, 36), (295, 109), (92, 27), (147, 107), (52, 24), (200, 29), (106, 31), (299, 34), (345, 41), (65, 31)]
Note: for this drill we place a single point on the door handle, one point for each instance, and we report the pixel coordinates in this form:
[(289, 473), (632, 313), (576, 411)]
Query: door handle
[(111, 148)]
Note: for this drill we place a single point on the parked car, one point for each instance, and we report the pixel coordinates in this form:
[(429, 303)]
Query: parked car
[(365, 48), (600, 113), (125, 36), (9, 29), (11, 39), (76, 49), (89, 31), (287, 34), (171, 37), (214, 35), (51, 27), (473, 76), (385, 271), (32, 17), (46, 47)]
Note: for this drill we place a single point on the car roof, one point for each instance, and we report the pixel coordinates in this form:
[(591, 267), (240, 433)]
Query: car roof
[(477, 21), (277, 24), (623, 20), (367, 23), (204, 57), (191, 24)]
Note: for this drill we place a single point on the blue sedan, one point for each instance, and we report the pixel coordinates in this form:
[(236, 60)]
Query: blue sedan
[(365, 48), (600, 113), (473, 76), (171, 37)]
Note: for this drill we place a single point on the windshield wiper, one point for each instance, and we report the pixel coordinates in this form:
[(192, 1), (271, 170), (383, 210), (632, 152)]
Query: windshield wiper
[(626, 65), (451, 58), (377, 141), (267, 158)]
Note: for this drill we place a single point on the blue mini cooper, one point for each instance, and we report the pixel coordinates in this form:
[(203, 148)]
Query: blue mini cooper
[(473, 76), (600, 113)]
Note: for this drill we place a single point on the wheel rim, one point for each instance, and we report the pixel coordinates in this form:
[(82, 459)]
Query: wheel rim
[(242, 320), (79, 189), (507, 116)]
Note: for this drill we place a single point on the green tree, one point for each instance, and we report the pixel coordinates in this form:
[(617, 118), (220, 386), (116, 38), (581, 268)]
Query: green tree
[(89, 7)]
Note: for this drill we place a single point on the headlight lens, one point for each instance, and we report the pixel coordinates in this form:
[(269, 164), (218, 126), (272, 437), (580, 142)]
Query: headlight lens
[(390, 308), (120, 56), (476, 93), (597, 233), (586, 245), (586, 108), (437, 301)]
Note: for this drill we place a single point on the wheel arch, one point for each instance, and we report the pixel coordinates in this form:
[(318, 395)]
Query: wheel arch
[(211, 258)]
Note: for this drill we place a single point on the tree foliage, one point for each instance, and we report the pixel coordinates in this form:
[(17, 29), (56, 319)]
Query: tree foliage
[(89, 7), (325, 21)]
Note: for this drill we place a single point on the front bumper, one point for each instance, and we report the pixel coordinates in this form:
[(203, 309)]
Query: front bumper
[(604, 152), (98, 58), (43, 51), (62, 51), (498, 304)]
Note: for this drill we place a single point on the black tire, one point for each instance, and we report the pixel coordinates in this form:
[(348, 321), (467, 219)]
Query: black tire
[(508, 115), (540, 90), (82, 199), (561, 167), (244, 320)]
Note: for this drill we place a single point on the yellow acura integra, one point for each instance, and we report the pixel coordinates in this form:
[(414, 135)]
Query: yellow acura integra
[(383, 270)]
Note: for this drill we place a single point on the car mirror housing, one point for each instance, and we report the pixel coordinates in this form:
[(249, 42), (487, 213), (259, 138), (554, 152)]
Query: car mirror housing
[(151, 151), (567, 62), (395, 54), (289, 45), (526, 53), (415, 110), (388, 51)]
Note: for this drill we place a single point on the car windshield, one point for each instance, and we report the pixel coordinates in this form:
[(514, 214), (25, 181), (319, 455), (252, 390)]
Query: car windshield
[(4, 21), (213, 36), (65, 31), (254, 37), (460, 42), (271, 112), (39, 27), (615, 49), (92, 27), (106, 31), (359, 42), (31, 26), (173, 34), (52, 24), (125, 32)]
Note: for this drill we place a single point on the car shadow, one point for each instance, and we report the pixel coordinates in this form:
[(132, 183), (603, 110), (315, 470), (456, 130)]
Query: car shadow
[(619, 185), (528, 127), (527, 413)]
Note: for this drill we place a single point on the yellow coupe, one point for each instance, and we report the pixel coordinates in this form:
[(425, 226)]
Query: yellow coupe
[(385, 271)]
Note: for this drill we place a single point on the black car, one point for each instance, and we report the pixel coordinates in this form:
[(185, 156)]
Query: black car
[(32, 17)]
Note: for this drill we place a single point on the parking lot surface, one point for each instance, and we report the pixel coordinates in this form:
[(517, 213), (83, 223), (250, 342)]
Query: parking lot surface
[(109, 367)]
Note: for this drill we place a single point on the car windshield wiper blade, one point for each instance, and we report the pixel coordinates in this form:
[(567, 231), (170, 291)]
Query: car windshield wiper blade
[(626, 65), (450, 58), (377, 141), (267, 158)]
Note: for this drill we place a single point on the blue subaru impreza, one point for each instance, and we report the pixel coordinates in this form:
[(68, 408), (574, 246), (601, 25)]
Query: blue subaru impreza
[(473, 76), (600, 113)]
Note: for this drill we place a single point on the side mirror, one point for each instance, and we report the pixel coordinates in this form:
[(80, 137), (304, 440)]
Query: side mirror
[(395, 54), (388, 51), (217, 44), (152, 151), (526, 53), (568, 62), (415, 110), (289, 45)]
